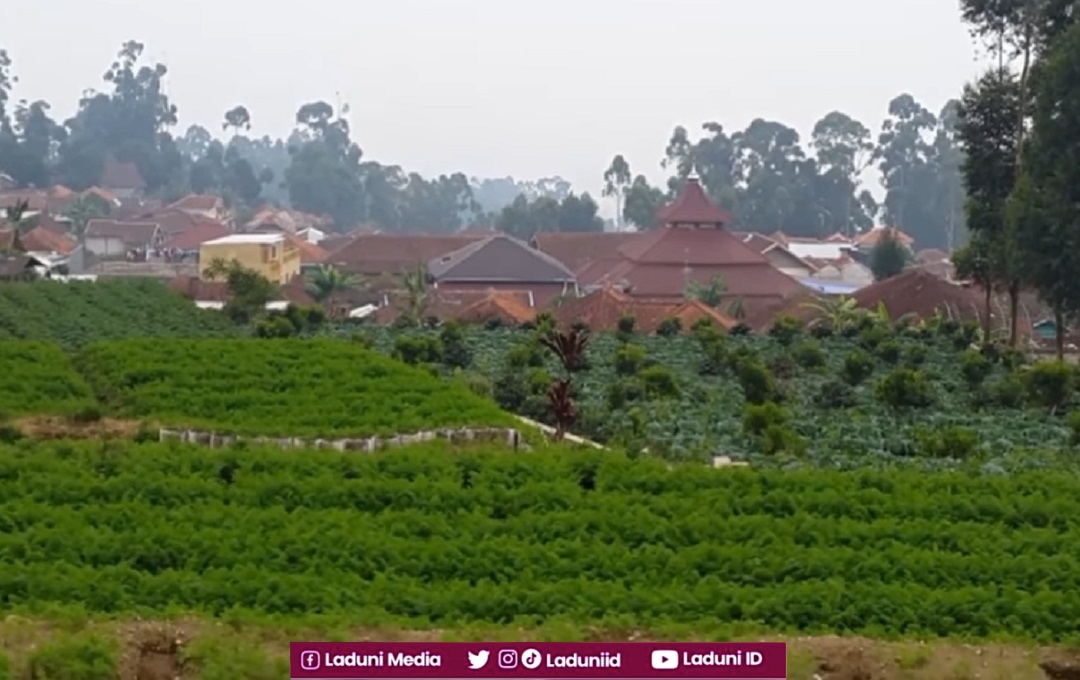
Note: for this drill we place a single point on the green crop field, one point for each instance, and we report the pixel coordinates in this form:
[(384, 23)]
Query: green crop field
[(431, 536), (882, 396), (314, 388), (37, 377), (77, 313)]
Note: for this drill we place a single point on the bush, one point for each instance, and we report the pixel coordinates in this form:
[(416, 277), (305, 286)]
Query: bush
[(527, 354), (906, 388), (740, 330), (625, 329), (779, 439), (74, 657), (890, 351), (275, 326), (872, 336), (629, 359), (786, 329), (669, 327), (1050, 383), (835, 394), (915, 356), (809, 354), (456, 352), (659, 382), (758, 417), (418, 349), (951, 442), (858, 366), (1008, 392), (975, 367), (758, 385)]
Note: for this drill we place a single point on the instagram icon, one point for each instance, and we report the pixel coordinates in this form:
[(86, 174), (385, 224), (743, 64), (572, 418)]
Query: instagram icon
[(508, 658), (309, 660)]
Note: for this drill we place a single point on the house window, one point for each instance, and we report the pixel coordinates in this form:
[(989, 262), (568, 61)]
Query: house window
[(265, 255)]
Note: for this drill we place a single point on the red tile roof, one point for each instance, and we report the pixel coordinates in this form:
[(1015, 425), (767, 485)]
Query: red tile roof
[(580, 250), (198, 202), (130, 233), (310, 253), (41, 239), (692, 206), (601, 311), (919, 293), (446, 304), (193, 237), (503, 306), (871, 238), (121, 175), (394, 253)]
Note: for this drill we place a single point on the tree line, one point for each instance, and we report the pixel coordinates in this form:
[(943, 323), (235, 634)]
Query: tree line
[(1019, 128), (763, 173), (769, 181)]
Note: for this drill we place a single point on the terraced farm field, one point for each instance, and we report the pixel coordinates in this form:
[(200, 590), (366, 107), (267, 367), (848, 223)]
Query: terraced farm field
[(295, 388), (37, 377), (431, 537), (78, 313), (880, 397)]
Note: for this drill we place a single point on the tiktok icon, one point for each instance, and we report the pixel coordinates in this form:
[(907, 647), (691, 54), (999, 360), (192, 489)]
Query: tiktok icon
[(309, 661)]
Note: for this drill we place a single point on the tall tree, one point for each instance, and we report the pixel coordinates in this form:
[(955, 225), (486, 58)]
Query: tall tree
[(905, 158), (642, 202), (844, 150), (988, 112), (238, 119), (713, 158), (1045, 205), (617, 179)]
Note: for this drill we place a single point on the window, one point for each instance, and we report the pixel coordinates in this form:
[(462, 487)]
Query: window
[(265, 255)]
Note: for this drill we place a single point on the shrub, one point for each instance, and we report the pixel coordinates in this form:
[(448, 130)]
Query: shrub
[(495, 323), (915, 356), (975, 367), (809, 354), (906, 388), (456, 353), (758, 385), (525, 355), (1050, 383), (951, 442), (274, 326), (1008, 392), (890, 351), (779, 439), (625, 328), (629, 359), (872, 336), (87, 414), (363, 338), (740, 330), (835, 394), (758, 417), (858, 366), (669, 327), (659, 382), (418, 349), (622, 392), (786, 329)]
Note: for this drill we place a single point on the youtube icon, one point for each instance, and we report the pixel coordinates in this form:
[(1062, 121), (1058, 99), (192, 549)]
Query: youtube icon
[(665, 659)]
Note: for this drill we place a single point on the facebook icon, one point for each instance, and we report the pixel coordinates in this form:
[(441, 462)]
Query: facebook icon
[(309, 661)]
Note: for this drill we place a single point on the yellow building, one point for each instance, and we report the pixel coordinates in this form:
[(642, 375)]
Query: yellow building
[(269, 254)]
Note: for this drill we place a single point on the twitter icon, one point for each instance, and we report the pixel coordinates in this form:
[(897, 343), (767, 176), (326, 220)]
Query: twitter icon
[(478, 660)]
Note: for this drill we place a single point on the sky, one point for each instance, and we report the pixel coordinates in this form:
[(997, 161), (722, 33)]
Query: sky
[(505, 87)]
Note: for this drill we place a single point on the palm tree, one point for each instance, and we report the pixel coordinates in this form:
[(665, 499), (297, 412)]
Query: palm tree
[(13, 214), (327, 282), (416, 294)]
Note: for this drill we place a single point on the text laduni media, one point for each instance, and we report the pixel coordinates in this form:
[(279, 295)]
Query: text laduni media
[(380, 660)]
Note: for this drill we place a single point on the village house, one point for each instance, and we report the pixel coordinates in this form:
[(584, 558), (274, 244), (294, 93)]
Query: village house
[(203, 205), (502, 261), (122, 179), (779, 255), (271, 255), (602, 309), (115, 239)]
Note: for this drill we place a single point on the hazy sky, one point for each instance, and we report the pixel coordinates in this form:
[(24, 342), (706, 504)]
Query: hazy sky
[(505, 87)]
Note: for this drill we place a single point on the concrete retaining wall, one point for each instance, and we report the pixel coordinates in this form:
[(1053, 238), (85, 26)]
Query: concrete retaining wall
[(507, 436)]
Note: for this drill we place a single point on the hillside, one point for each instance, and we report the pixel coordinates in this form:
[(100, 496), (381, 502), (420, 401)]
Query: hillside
[(77, 313)]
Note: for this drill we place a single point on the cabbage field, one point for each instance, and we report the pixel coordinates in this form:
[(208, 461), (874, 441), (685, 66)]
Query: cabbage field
[(881, 396), (431, 536)]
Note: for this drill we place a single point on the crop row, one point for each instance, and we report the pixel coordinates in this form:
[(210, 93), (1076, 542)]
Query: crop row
[(317, 388), (36, 377), (434, 536), (78, 313)]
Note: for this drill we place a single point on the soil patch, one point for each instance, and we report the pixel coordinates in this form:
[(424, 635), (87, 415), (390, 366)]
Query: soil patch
[(60, 427)]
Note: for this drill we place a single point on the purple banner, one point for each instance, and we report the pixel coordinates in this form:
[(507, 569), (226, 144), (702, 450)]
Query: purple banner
[(539, 660)]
